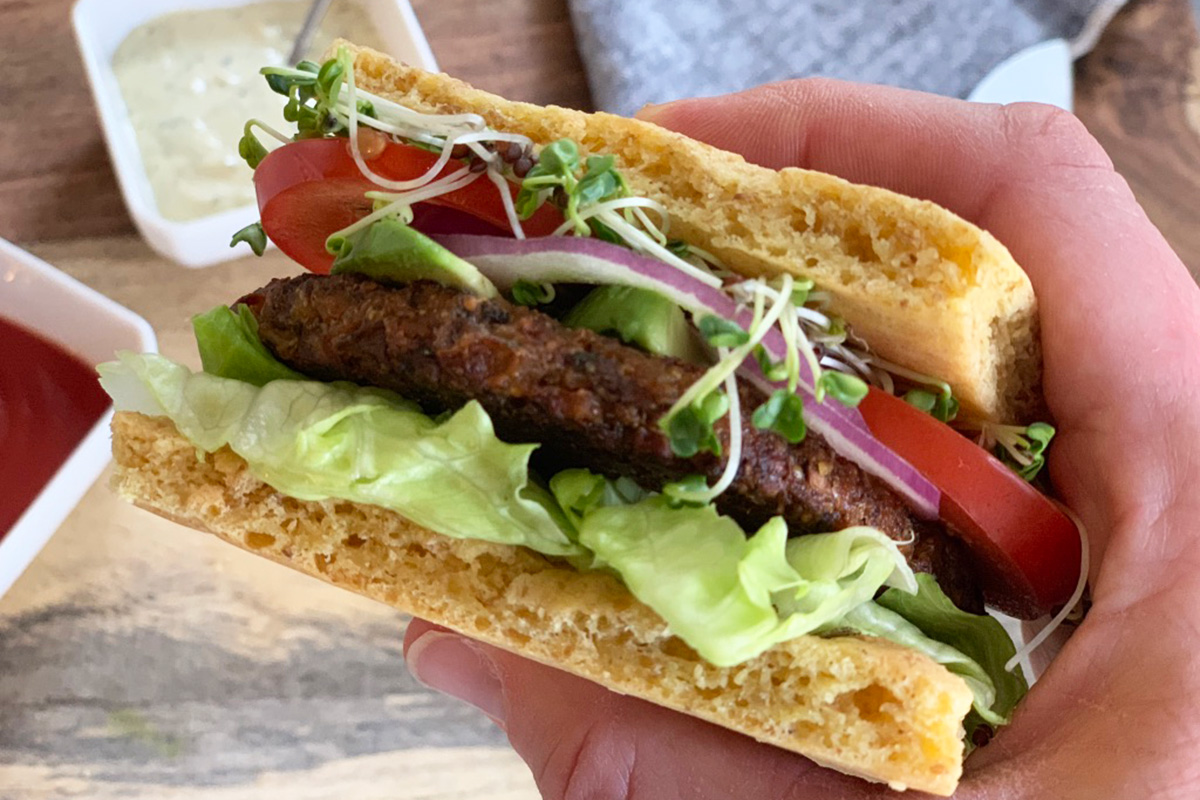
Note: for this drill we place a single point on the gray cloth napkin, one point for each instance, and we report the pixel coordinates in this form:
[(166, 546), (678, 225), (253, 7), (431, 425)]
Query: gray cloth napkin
[(651, 51)]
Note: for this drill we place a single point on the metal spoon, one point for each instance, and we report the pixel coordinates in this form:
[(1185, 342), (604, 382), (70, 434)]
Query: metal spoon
[(316, 13)]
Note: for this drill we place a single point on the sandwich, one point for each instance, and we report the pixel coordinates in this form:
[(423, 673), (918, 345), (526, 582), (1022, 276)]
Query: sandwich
[(758, 446)]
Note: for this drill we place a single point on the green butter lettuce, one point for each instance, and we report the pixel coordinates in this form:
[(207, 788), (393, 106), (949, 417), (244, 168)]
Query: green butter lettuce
[(973, 647), (728, 596), (315, 441), (230, 347), (391, 252)]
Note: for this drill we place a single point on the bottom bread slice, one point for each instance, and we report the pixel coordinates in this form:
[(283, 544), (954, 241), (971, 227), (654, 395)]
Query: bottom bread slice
[(863, 706)]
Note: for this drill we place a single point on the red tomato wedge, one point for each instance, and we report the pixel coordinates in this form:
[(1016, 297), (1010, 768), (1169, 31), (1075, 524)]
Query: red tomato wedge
[(1027, 549), (312, 188)]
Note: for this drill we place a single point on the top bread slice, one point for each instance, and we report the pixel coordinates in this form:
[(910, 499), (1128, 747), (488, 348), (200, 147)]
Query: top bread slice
[(922, 286)]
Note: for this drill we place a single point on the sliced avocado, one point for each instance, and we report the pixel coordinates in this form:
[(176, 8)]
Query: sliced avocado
[(391, 252), (638, 317)]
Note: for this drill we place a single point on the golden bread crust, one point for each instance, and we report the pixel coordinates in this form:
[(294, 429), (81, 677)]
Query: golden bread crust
[(862, 706), (924, 287)]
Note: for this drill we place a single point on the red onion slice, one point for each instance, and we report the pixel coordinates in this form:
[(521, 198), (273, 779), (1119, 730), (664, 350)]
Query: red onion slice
[(570, 259)]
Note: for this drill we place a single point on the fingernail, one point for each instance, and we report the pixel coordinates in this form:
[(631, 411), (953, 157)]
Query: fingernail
[(456, 666), (650, 111)]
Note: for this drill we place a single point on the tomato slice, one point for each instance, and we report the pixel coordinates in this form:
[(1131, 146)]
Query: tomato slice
[(1027, 550), (312, 188)]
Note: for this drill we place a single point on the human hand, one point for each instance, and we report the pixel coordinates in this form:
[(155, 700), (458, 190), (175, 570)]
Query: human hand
[(1113, 717)]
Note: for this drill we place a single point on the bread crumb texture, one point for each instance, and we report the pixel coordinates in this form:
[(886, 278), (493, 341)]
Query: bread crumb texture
[(866, 707), (924, 287)]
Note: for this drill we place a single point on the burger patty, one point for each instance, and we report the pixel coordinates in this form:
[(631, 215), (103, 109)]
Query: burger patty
[(588, 400)]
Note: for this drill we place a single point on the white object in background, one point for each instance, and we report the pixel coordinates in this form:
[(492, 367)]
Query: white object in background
[(86, 324), (1042, 73), (101, 26)]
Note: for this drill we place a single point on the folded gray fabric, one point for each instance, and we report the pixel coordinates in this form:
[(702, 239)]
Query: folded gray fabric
[(651, 51)]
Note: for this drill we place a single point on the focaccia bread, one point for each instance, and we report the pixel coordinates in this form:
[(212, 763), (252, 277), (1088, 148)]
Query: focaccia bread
[(863, 706)]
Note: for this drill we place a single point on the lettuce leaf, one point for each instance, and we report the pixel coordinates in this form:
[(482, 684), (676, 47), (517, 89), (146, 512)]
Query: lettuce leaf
[(728, 596), (229, 347), (315, 441), (972, 646)]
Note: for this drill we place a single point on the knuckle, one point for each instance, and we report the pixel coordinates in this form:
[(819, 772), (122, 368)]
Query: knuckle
[(1052, 136)]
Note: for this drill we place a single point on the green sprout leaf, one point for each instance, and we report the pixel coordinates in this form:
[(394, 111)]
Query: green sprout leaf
[(720, 332), (557, 158), (940, 405), (690, 430), (774, 371), (597, 186), (849, 390), (800, 290), (603, 232), (1031, 445), (528, 201), (783, 413), (528, 293), (691, 490), (250, 148), (252, 235)]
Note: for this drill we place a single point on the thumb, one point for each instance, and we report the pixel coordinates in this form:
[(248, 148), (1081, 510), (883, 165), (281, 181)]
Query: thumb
[(581, 740)]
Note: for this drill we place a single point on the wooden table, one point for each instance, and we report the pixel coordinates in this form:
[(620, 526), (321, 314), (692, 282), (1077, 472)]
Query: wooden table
[(141, 660)]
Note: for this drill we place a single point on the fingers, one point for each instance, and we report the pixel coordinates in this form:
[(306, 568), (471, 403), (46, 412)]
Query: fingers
[(580, 740), (1120, 314)]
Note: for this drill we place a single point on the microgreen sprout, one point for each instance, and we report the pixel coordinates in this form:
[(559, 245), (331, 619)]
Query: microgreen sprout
[(250, 148), (690, 429), (774, 371), (252, 235), (849, 390), (724, 369), (1021, 448), (941, 405), (720, 332), (783, 413), (528, 293)]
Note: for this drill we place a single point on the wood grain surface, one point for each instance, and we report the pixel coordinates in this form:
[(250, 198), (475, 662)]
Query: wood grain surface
[(141, 660), (1139, 94)]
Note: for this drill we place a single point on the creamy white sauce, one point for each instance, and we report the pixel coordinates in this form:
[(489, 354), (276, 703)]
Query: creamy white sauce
[(190, 81)]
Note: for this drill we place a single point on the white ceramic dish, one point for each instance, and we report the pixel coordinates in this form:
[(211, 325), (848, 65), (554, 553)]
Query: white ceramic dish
[(101, 26), (89, 325)]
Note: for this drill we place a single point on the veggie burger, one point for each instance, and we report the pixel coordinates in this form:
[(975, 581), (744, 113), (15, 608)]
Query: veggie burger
[(756, 446)]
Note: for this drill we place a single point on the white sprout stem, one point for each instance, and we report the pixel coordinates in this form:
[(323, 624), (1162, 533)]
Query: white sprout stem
[(510, 209), (659, 232), (596, 209), (704, 255), (806, 349), (733, 461), (265, 128), (717, 373), (442, 186), (643, 242), (1076, 596), (813, 316), (896, 369), (848, 356), (1009, 437)]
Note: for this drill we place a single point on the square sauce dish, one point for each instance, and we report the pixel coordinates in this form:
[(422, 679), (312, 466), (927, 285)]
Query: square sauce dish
[(175, 81), (54, 417)]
